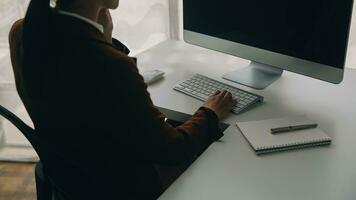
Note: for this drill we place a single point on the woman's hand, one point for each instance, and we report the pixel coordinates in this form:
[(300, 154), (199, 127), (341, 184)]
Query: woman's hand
[(105, 19), (221, 103)]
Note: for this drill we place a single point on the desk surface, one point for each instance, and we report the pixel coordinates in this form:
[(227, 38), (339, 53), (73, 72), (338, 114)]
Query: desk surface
[(230, 169)]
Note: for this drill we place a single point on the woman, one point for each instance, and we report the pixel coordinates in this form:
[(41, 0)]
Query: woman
[(87, 99)]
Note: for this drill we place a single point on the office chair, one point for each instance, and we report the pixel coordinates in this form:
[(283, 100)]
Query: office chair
[(57, 177), (43, 186), (49, 183)]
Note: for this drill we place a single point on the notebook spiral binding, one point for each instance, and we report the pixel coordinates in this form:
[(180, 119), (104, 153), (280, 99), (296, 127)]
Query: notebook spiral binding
[(291, 146)]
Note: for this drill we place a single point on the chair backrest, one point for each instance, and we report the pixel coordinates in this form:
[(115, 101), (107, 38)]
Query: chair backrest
[(27, 131), (42, 148), (66, 176), (46, 154), (15, 120)]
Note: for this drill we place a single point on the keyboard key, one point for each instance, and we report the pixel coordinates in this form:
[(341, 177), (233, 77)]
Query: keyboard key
[(203, 96), (178, 87), (187, 90)]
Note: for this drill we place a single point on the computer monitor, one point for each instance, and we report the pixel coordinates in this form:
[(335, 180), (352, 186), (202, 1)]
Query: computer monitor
[(308, 37)]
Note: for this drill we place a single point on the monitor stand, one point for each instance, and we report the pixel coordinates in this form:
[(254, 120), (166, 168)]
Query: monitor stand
[(255, 75)]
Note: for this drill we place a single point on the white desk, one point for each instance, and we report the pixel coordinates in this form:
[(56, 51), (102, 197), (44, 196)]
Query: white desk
[(230, 169)]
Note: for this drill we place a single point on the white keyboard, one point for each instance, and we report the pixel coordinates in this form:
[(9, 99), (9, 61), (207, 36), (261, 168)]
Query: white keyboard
[(201, 87)]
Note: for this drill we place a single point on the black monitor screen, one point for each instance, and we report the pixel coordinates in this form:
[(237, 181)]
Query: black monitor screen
[(314, 30)]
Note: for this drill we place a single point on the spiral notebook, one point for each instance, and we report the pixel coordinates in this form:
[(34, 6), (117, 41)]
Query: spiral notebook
[(258, 134)]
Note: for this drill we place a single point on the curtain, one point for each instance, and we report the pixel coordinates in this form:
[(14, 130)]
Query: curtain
[(10, 11), (10, 137), (141, 24)]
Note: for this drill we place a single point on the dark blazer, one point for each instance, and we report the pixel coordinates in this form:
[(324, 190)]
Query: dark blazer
[(94, 108)]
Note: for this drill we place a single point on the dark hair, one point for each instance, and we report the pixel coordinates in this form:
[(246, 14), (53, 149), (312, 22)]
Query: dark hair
[(36, 45)]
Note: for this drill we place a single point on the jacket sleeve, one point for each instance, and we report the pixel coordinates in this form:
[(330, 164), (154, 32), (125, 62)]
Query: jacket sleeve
[(154, 139)]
